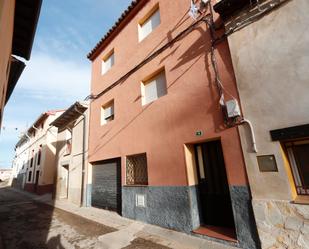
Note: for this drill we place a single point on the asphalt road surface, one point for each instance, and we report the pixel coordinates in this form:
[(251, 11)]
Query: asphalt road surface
[(27, 224)]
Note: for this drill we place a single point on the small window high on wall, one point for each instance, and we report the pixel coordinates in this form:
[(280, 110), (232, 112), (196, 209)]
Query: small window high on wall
[(108, 61), (107, 113), (154, 87), (298, 154), (149, 22)]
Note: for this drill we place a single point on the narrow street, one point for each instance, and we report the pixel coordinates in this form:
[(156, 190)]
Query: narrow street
[(27, 224)]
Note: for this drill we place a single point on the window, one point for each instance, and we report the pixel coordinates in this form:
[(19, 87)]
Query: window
[(68, 147), (136, 170), (149, 23), (37, 176), (108, 62), (39, 155), (154, 88), (298, 154), (107, 113), (29, 176), (32, 158)]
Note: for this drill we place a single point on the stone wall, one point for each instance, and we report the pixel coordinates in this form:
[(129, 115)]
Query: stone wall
[(282, 224)]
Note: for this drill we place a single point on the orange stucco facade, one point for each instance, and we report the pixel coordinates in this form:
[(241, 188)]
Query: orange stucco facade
[(6, 30), (163, 127)]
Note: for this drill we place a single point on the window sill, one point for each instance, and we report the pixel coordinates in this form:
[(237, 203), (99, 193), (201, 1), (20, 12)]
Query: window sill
[(108, 122), (302, 199)]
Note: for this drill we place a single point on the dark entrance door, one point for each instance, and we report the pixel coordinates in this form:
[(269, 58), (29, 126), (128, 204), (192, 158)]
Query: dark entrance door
[(106, 185), (214, 195), (37, 175)]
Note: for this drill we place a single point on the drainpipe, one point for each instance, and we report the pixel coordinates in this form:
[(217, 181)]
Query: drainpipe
[(246, 121), (83, 155)]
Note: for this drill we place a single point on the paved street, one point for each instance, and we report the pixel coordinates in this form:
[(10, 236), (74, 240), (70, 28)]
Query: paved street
[(27, 224), (32, 222)]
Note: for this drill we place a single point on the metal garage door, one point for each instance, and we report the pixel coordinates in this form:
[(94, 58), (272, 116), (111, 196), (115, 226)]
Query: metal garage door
[(106, 185)]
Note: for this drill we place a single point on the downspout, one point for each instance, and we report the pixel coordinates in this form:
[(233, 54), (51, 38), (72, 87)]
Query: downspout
[(83, 155), (248, 122)]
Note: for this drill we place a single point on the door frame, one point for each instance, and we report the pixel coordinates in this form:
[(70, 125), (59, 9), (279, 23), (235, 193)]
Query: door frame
[(198, 175), (36, 180)]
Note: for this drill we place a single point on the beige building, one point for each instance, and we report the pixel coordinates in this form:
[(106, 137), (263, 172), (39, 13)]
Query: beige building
[(5, 174), (18, 20), (40, 150), (72, 153), (270, 54)]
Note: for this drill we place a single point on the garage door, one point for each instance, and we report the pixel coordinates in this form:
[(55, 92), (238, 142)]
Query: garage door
[(106, 185)]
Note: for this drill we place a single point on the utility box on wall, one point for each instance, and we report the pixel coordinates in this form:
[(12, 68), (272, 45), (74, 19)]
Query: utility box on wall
[(232, 108)]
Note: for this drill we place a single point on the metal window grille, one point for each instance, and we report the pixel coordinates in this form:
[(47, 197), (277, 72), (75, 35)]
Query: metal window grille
[(136, 172)]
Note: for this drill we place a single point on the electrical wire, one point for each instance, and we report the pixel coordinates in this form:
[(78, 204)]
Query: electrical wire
[(148, 59), (215, 41)]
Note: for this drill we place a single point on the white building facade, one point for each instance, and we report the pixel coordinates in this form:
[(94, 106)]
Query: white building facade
[(34, 162)]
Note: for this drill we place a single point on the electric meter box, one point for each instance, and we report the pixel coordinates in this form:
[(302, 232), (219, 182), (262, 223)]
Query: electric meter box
[(232, 108)]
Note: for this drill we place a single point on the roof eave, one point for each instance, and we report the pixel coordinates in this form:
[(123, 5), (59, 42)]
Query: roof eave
[(70, 115), (16, 70), (126, 16), (25, 23)]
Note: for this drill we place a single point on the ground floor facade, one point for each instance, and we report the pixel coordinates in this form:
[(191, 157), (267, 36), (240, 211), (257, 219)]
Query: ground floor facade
[(209, 205), (39, 189)]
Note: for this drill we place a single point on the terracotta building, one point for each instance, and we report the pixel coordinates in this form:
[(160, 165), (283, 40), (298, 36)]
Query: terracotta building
[(270, 54), (18, 20), (160, 145), (39, 145)]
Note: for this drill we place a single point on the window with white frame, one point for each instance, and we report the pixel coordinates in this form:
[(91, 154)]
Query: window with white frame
[(149, 22), (107, 62), (107, 113), (154, 88)]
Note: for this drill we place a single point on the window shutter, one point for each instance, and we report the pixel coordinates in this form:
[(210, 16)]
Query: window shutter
[(108, 63), (108, 111), (149, 25), (155, 88)]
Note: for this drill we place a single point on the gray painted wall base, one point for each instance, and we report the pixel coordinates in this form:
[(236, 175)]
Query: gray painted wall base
[(164, 206), (178, 208), (88, 195), (246, 229)]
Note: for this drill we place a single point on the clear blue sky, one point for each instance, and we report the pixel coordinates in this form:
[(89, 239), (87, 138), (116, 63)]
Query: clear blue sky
[(58, 72)]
